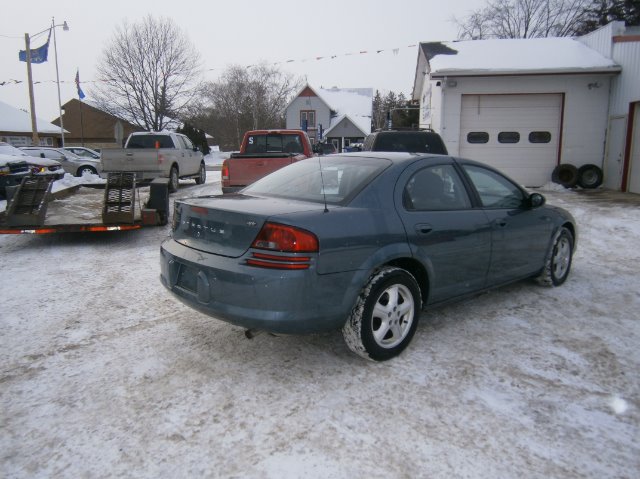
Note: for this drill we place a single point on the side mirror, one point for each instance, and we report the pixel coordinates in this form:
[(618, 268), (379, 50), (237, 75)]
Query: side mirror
[(536, 200)]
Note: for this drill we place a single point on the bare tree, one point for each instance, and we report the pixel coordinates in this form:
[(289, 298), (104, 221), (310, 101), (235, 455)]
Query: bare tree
[(524, 19), (149, 73), (245, 99)]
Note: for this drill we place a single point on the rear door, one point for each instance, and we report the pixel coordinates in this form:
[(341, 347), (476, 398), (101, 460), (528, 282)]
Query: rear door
[(446, 234)]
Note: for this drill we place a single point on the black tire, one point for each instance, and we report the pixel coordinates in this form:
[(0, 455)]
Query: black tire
[(558, 263), (385, 316), (86, 169), (565, 175), (589, 176), (202, 175), (174, 178)]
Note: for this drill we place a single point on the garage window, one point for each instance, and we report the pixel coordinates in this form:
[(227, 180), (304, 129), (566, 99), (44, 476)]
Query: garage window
[(508, 137), (539, 137), (478, 137)]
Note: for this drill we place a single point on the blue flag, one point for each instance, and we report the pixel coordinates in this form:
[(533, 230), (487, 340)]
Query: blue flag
[(80, 92), (38, 55)]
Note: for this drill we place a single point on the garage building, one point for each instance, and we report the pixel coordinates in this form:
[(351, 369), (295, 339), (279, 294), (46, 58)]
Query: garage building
[(521, 105)]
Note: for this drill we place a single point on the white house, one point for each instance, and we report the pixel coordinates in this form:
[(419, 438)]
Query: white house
[(522, 105), (340, 116), (15, 128)]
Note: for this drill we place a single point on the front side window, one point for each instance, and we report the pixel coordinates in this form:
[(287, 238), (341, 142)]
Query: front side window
[(495, 190), (187, 142), (436, 188)]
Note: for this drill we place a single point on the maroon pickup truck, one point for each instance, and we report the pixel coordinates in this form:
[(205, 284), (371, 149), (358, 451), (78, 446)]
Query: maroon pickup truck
[(263, 152)]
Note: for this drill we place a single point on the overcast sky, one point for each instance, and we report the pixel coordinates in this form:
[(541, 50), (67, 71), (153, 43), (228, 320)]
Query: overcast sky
[(232, 32)]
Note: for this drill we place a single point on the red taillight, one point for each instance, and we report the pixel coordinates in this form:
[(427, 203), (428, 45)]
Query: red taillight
[(279, 262), (224, 171), (288, 239)]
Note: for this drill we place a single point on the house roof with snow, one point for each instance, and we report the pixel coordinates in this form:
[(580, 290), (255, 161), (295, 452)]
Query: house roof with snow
[(14, 120), (521, 56), (354, 104)]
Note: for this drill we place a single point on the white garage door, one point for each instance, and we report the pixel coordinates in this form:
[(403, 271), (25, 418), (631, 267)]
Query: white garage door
[(518, 134)]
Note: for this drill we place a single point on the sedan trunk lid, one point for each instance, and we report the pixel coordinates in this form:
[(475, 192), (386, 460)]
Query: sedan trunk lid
[(227, 225)]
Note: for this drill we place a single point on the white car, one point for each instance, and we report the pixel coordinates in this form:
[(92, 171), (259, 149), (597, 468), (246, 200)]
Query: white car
[(70, 162), (38, 166), (83, 152)]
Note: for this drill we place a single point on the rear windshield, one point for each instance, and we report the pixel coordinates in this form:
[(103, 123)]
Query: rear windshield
[(413, 142), (274, 143), (149, 141), (335, 179)]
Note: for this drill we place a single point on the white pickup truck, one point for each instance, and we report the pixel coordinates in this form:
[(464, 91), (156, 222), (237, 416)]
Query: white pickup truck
[(157, 154)]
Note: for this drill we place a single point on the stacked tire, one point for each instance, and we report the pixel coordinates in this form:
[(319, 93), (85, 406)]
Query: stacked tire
[(587, 176)]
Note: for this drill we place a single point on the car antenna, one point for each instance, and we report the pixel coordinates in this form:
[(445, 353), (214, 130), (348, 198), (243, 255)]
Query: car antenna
[(324, 193)]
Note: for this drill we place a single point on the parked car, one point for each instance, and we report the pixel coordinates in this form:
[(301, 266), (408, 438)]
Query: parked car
[(157, 154), (83, 152), (263, 152), (71, 163), (12, 170), (410, 140), (361, 242), (37, 165)]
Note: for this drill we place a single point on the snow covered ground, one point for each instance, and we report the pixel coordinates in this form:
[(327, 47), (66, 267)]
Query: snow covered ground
[(103, 374)]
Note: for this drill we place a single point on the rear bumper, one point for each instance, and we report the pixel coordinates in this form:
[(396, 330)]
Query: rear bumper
[(287, 302)]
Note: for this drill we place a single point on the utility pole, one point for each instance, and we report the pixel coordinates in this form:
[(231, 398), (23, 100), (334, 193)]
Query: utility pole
[(35, 139)]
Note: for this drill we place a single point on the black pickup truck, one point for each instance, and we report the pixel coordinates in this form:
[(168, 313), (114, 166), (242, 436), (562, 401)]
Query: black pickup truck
[(411, 140)]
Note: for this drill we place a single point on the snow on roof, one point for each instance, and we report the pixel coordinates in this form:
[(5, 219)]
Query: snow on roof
[(354, 103), (509, 56), (15, 120)]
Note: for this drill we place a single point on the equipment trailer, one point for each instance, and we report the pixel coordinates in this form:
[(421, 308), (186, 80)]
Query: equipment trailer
[(34, 209)]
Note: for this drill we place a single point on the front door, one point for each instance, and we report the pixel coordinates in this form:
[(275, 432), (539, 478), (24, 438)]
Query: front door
[(518, 233)]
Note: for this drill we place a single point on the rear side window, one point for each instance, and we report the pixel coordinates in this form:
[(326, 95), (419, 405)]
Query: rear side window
[(436, 188)]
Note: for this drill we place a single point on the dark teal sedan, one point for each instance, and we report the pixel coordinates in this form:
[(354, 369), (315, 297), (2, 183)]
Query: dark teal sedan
[(361, 242)]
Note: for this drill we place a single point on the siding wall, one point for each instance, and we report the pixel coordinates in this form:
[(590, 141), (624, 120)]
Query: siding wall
[(323, 115)]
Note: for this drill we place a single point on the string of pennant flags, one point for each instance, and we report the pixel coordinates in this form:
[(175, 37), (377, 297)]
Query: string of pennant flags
[(394, 51)]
